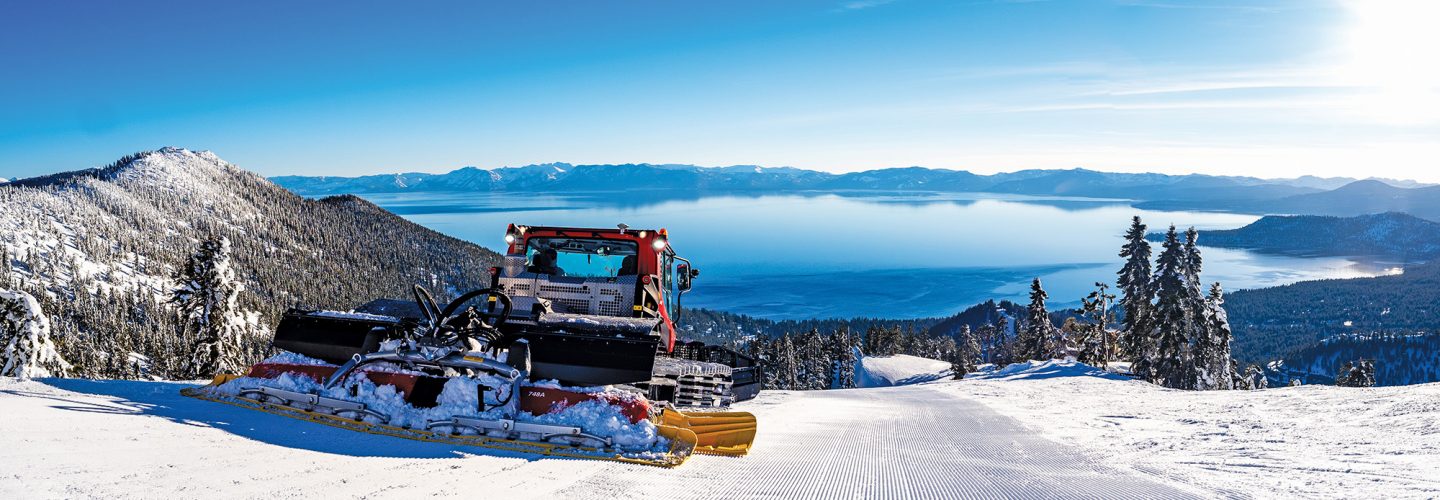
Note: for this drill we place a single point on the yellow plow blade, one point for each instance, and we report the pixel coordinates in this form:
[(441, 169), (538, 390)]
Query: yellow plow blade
[(716, 433)]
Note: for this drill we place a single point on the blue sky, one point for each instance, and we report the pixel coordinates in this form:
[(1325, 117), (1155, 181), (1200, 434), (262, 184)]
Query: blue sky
[(1275, 89)]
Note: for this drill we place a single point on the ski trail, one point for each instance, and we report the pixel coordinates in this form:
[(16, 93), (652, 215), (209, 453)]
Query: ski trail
[(894, 442), (124, 439)]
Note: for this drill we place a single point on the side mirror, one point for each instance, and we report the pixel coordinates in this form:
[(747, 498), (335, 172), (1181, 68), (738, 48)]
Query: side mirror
[(684, 273)]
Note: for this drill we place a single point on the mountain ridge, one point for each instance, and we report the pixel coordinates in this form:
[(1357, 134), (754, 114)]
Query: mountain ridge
[(1394, 235), (99, 249), (556, 177)]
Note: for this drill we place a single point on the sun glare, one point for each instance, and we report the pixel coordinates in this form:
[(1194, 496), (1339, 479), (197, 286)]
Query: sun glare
[(1391, 54)]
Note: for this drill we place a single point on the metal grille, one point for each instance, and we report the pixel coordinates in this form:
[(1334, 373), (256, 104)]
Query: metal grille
[(593, 296), (574, 306)]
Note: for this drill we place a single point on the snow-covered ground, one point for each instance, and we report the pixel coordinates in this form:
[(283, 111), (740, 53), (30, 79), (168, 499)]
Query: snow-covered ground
[(1042, 430), (1308, 442), (120, 439)]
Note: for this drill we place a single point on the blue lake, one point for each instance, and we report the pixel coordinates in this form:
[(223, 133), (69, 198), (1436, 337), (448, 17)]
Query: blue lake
[(871, 254)]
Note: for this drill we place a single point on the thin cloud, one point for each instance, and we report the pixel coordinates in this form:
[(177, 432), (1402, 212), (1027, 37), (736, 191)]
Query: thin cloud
[(861, 5)]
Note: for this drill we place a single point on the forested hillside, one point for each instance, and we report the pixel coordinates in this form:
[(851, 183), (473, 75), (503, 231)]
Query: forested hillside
[(1271, 322), (1399, 359), (100, 249), (1392, 235)]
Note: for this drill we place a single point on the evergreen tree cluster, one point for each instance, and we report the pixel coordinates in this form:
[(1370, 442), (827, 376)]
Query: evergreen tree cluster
[(1396, 359), (1174, 333), (1360, 373), (812, 360)]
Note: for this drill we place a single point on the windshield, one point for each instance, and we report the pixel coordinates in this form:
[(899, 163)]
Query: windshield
[(580, 257)]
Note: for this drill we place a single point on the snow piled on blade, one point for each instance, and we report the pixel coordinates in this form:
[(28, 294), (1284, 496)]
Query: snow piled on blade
[(900, 369), (459, 397)]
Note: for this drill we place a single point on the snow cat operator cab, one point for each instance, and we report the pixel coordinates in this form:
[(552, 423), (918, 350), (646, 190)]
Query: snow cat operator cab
[(601, 306), (616, 273)]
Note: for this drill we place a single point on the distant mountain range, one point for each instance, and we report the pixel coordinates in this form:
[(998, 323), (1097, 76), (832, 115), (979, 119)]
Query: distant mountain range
[(1306, 195), (1393, 235), (1359, 197)]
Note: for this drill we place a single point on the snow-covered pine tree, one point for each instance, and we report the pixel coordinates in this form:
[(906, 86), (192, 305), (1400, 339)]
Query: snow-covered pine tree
[(967, 353), (1137, 291), (1172, 317), (842, 358), (1366, 375), (787, 369), (1237, 377), (1360, 373), (1038, 340), (1256, 378), (1216, 350), (1004, 344), (25, 347), (212, 323), (1205, 361), (5, 265), (763, 352), (1094, 343), (1342, 377), (812, 361)]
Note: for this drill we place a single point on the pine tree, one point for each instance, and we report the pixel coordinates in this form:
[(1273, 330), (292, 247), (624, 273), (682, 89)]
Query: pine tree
[(1172, 317), (967, 353), (212, 322), (1204, 362), (25, 347), (1004, 345), (1094, 343), (1357, 374), (812, 361), (1038, 340), (1137, 290), (1214, 352), (842, 359), (1256, 378), (787, 370), (1366, 376), (5, 264)]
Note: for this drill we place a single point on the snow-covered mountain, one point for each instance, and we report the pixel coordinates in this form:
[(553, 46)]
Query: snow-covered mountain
[(100, 247)]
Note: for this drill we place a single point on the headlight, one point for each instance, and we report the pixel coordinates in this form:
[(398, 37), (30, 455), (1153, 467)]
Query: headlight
[(659, 243), (509, 238)]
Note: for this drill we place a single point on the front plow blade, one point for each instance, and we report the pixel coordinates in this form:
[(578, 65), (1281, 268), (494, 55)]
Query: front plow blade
[(682, 441), (716, 433)]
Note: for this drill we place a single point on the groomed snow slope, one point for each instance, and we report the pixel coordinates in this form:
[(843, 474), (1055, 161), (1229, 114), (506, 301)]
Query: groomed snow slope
[(1305, 442), (900, 369), (118, 439)]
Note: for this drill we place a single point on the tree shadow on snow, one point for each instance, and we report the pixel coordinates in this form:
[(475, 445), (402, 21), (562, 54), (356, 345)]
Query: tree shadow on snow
[(163, 400)]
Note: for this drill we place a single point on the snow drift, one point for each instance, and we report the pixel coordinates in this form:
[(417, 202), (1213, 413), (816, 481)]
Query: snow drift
[(900, 369)]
